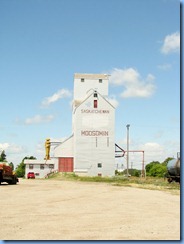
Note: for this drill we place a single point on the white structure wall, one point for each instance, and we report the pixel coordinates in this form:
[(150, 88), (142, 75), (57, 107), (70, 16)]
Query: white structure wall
[(65, 149), (40, 167), (94, 145), (83, 83)]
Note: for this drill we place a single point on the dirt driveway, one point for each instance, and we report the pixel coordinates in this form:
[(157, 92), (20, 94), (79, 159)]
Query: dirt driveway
[(65, 210)]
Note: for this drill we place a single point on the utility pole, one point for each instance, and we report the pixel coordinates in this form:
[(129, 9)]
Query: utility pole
[(143, 170), (128, 126), (131, 165)]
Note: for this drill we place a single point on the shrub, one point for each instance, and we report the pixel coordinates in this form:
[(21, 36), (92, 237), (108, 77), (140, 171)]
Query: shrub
[(158, 170)]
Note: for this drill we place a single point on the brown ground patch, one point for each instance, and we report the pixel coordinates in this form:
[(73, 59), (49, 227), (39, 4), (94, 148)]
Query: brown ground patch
[(72, 210)]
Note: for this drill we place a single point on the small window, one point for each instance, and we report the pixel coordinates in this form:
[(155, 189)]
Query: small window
[(31, 166), (82, 79), (95, 104), (100, 80), (41, 166), (99, 165), (51, 166), (100, 175), (95, 94), (37, 174)]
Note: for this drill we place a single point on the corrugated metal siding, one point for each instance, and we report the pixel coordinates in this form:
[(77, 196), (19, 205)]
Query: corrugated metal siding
[(94, 137)]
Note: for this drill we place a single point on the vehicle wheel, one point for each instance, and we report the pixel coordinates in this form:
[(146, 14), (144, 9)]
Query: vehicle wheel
[(14, 180), (169, 180)]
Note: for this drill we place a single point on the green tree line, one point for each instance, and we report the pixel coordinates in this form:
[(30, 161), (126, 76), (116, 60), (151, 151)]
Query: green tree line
[(153, 169)]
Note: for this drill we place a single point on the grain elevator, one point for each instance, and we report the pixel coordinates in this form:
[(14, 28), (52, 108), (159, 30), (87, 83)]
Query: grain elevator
[(90, 150)]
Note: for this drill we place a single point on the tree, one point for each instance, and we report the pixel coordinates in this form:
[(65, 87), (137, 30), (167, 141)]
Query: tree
[(150, 165), (137, 172), (20, 169), (3, 156), (166, 161), (132, 172), (158, 170), (12, 165)]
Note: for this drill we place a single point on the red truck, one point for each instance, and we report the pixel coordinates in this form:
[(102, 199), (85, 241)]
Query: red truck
[(7, 174)]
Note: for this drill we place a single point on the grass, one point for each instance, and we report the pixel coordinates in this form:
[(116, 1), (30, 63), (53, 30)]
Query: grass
[(151, 183)]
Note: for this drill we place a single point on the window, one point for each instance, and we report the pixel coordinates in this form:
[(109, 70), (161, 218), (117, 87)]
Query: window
[(99, 165), (31, 166), (82, 79), (100, 80), (100, 175), (95, 104), (41, 166), (51, 166), (95, 94), (37, 174)]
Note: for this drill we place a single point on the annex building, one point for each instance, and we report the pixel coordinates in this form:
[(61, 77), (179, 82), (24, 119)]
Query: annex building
[(90, 149)]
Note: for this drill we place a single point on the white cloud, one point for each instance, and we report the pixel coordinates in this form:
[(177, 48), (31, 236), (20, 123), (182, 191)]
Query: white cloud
[(16, 149), (164, 66), (14, 153), (11, 148), (134, 85), (159, 152), (40, 149), (113, 101), (153, 147), (171, 43), (153, 151), (55, 97), (38, 119), (4, 146)]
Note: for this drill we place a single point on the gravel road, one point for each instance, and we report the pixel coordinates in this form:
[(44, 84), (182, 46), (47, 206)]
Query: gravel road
[(70, 210)]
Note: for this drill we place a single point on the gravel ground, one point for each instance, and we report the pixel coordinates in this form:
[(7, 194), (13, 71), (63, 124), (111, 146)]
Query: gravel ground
[(69, 210)]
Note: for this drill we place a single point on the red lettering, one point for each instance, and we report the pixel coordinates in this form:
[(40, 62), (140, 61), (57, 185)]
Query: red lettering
[(94, 133)]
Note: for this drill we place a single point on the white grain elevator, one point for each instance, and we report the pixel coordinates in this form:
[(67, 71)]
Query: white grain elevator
[(90, 150)]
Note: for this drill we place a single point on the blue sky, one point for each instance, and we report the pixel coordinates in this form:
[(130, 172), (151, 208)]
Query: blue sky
[(44, 42)]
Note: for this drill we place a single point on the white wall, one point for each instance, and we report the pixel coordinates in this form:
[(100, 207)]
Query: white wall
[(91, 81), (94, 137), (65, 149), (36, 167)]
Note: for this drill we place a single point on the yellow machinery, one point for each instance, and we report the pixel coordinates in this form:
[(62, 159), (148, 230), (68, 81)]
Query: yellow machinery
[(47, 149)]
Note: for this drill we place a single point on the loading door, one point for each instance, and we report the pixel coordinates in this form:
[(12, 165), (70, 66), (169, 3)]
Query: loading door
[(65, 164)]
